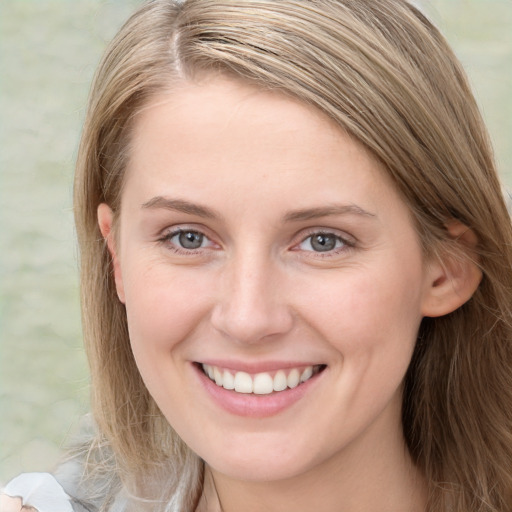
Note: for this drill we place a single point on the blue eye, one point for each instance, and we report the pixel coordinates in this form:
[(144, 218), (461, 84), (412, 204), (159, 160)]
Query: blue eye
[(322, 242), (190, 240)]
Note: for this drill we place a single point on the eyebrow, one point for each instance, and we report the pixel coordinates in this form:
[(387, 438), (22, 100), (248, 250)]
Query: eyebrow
[(326, 211), (180, 205)]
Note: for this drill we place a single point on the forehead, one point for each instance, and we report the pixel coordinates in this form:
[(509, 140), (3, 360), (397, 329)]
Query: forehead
[(218, 107), (219, 135), (216, 111)]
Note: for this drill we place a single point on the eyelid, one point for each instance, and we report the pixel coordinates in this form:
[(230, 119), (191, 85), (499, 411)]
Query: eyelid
[(343, 235), (170, 232), (348, 241)]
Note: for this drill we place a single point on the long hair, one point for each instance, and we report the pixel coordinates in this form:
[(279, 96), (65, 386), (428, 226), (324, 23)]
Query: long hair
[(386, 76)]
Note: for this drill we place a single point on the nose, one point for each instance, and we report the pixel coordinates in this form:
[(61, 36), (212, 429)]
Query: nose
[(252, 305)]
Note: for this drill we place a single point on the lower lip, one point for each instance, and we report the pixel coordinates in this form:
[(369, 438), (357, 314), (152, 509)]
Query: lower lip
[(252, 405)]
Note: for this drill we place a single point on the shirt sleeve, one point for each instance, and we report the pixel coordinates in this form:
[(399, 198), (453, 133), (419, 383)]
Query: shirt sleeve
[(40, 491)]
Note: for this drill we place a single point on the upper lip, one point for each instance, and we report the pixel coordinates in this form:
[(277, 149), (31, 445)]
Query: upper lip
[(257, 367)]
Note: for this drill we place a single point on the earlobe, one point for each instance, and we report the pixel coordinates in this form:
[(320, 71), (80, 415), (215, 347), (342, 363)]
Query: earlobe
[(454, 278), (105, 222)]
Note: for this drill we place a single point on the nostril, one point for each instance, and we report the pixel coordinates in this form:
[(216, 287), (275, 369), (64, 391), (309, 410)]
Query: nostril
[(241, 323)]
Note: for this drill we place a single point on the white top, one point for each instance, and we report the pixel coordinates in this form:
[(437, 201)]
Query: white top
[(40, 491), (43, 493)]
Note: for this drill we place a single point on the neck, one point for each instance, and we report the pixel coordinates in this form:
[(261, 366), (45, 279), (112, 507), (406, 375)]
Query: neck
[(375, 473)]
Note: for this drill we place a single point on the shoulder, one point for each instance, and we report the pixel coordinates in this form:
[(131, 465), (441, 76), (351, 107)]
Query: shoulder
[(40, 491), (69, 489), (86, 481)]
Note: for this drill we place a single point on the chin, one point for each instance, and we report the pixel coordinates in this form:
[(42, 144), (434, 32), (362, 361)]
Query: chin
[(259, 465), (253, 472)]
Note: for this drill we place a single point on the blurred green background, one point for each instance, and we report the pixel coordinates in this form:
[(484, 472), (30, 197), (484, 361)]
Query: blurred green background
[(48, 52)]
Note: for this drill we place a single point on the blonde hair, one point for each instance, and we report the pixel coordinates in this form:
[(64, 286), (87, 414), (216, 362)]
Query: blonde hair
[(383, 73)]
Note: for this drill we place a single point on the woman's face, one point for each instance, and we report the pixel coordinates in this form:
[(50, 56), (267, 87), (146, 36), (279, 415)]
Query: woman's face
[(259, 243)]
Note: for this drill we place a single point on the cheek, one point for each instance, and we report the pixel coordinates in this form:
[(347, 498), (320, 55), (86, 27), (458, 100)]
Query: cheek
[(362, 308), (163, 305), (163, 308), (371, 320)]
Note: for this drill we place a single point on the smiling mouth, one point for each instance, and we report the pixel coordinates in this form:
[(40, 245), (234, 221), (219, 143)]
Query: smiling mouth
[(260, 383)]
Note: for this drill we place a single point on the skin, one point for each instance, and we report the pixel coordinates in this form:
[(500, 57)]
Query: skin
[(256, 174), (257, 289), (8, 504)]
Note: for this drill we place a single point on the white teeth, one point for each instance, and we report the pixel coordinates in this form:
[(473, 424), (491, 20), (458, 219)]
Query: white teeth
[(261, 383), (217, 376), (280, 381), (243, 382), (228, 381), (293, 378), (306, 374)]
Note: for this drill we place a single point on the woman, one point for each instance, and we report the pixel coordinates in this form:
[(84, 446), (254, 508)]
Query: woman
[(303, 297)]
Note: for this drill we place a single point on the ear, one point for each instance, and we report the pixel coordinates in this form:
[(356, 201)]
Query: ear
[(454, 277), (105, 221)]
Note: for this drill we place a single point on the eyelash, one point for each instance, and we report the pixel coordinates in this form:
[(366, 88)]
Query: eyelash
[(167, 240), (346, 243)]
